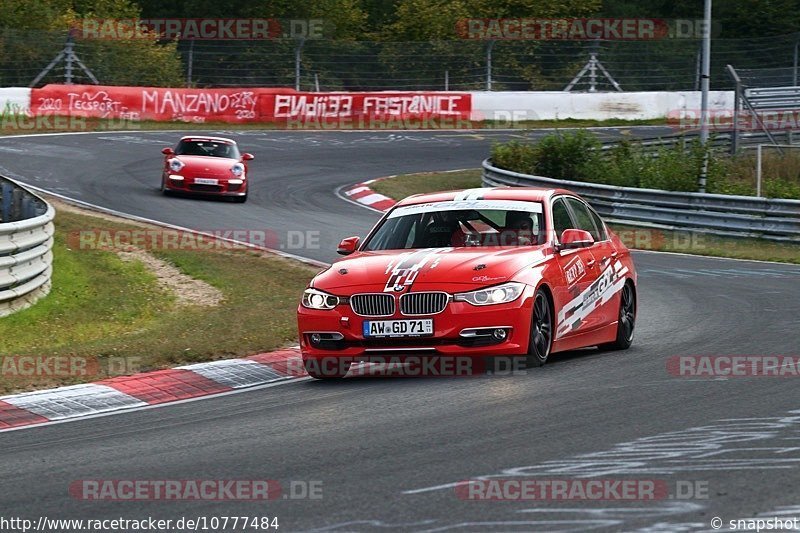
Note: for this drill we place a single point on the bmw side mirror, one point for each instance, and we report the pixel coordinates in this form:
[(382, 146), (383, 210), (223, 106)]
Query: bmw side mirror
[(575, 238), (348, 246)]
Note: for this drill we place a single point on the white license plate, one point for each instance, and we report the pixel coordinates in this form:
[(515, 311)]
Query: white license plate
[(398, 328), (206, 181)]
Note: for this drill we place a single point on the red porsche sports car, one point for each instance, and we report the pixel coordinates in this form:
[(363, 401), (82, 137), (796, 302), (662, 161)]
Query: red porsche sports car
[(205, 165), (478, 273)]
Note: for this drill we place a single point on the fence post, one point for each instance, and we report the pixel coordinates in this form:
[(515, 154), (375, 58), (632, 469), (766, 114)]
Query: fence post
[(68, 59), (737, 103), (794, 71), (190, 62), (698, 68), (489, 47), (297, 63)]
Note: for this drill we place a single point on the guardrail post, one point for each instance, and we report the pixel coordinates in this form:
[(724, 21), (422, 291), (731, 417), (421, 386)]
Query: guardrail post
[(758, 169), (16, 204), (7, 193)]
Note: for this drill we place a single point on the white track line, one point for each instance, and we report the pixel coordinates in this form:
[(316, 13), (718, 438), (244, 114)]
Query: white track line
[(166, 404)]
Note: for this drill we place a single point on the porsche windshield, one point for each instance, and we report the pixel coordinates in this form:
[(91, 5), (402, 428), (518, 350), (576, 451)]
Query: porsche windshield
[(207, 147), (471, 223)]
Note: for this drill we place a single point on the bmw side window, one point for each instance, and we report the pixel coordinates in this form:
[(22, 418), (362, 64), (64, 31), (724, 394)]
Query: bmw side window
[(561, 218), (601, 229), (582, 218)]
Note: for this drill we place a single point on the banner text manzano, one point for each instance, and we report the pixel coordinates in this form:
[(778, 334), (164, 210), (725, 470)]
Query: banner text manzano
[(242, 105)]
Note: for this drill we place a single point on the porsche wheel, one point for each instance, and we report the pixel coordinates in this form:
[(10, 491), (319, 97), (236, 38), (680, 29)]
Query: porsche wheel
[(164, 190), (626, 320), (240, 199), (541, 336)]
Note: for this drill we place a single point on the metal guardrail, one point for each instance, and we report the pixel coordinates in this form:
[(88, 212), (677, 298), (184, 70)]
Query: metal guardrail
[(742, 216), (767, 98), (26, 247), (723, 141)]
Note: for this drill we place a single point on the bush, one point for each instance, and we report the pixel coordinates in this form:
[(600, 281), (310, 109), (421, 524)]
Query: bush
[(515, 156), (566, 156), (558, 156)]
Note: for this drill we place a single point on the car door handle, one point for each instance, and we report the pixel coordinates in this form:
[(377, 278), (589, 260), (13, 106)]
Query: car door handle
[(614, 255), (590, 263)]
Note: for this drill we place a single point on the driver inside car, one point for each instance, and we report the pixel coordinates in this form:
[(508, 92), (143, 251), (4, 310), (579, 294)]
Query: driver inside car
[(518, 230)]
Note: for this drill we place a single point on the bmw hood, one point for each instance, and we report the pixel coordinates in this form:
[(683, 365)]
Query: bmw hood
[(429, 268)]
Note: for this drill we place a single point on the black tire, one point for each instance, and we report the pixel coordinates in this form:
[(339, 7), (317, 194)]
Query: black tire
[(240, 199), (541, 335), (315, 372), (626, 321), (164, 190)]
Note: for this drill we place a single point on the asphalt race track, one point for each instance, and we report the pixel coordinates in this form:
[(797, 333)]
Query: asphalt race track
[(388, 451)]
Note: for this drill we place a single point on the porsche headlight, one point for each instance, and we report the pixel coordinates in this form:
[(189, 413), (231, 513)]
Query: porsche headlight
[(499, 294), (175, 165), (237, 169), (314, 299)]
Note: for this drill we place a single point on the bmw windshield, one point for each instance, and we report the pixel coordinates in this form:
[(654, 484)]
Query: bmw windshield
[(471, 223)]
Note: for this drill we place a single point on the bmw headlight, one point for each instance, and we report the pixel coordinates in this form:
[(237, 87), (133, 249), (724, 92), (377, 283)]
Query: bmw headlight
[(175, 165), (314, 299), (237, 169), (499, 294)]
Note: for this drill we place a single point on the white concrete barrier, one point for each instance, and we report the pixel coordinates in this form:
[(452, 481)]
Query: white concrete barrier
[(14, 100), (558, 105), (531, 105)]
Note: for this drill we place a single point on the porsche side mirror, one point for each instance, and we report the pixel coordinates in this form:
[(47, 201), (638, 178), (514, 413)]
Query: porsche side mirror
[(168, 151), (247, 157), (348, 246), (575, 238)]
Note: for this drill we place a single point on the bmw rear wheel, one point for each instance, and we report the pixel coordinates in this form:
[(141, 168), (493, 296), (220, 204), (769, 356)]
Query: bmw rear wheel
[(541, 336)]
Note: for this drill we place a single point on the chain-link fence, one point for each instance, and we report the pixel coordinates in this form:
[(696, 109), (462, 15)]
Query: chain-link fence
[(667, 64)]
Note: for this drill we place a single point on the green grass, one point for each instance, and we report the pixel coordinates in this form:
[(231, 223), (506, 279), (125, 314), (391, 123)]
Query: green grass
[(103, 307), (408, 184), (652, 239)]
